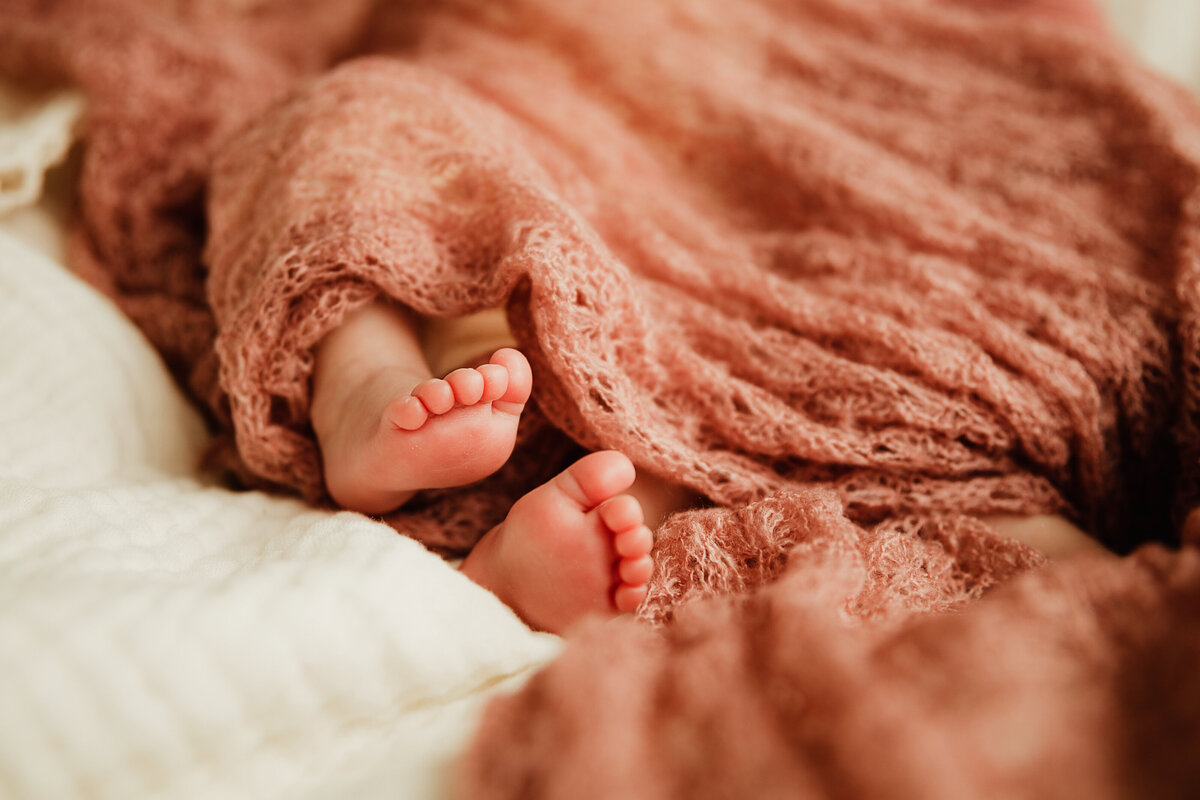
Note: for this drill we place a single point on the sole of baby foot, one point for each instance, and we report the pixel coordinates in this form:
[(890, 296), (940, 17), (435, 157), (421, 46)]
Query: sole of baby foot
[(394, 439), (575, 546)]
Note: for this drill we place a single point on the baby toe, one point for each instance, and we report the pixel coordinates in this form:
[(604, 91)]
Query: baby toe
[(621, 513), (495, 382), (596, 478), (633, 542), (635, 571), (436, 394), (628, 598), (520, 379), (467, 386), (407, 414)]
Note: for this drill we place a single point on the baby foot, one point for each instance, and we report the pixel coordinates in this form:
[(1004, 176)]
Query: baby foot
[(393, 438), (573, 546)]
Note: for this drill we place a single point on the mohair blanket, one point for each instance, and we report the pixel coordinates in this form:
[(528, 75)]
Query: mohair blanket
[(858, 272)]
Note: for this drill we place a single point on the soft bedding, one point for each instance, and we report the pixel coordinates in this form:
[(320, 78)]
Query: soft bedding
[(818, 632), (161, 636)]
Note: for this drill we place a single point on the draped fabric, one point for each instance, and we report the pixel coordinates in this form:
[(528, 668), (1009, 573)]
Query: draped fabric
[(857, 272)]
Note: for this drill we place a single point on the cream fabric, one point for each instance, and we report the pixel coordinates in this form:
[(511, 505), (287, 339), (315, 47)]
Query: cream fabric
[(35, 136), (164, 637), (1166, 33), (160, 636)]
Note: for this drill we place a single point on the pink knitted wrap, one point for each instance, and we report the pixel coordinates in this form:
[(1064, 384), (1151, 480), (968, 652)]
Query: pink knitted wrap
[(935, 279), (856, 271)]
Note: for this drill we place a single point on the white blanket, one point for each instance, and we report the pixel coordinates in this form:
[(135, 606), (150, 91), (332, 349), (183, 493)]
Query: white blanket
[(164, 637)]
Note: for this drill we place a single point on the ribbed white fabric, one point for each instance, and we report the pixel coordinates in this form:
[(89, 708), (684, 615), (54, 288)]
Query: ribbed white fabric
[(162, 637)]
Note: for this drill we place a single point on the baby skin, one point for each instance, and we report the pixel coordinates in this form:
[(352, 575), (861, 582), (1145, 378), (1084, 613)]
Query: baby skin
[(388, 428), (576, 545)]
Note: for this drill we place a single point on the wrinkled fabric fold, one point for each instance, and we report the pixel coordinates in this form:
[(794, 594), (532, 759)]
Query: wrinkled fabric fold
[(856, 272), (1076, 679), (828, 263)]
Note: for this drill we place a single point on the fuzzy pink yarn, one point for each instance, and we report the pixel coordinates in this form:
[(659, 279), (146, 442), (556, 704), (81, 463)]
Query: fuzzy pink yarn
[(932, 278), (833, 245), (856, 250), (857, 271), (1072, 681)]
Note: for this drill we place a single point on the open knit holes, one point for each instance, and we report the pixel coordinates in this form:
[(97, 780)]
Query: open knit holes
[(739, 403), (584, 300), (600, 400), (601, 394), (281, 413)]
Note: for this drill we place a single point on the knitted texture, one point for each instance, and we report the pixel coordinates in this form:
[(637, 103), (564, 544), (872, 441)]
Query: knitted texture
[(909, 566), (856, 271), (162, 89), (933, 277), (857, 250), (1078, 680)]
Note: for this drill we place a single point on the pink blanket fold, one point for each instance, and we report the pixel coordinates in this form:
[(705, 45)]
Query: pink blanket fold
[(1073, 681), (856, 271), (820, 261)]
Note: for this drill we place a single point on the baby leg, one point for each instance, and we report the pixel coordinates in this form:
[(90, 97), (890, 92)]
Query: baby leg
[(388, 428), (1053, 535)]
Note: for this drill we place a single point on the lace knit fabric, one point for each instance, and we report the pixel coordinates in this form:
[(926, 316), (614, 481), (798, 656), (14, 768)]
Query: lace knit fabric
[(858, 272), (939, 263), (946, 288), (1078, 680)]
